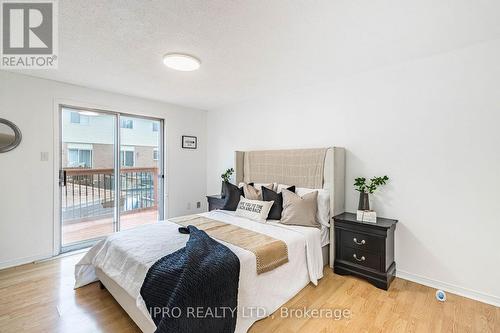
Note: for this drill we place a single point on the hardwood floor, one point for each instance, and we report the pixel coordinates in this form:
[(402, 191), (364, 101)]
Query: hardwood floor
[(40, 298)]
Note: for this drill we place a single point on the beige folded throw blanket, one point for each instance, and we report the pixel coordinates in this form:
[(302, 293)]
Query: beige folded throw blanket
[(270, 253)]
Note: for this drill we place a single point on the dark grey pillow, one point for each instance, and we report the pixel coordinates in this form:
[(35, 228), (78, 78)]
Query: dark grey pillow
[(233, 194), (277, 208)]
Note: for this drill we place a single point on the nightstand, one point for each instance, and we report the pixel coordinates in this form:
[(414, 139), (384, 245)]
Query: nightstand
[(365, 249), (215, 202)]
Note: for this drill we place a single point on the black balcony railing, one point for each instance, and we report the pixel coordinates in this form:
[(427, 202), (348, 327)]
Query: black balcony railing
[(90, 193)]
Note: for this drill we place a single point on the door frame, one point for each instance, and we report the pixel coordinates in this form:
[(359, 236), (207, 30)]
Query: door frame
[(59, 104)]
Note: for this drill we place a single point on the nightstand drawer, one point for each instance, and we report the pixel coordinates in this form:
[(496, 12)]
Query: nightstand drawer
[(361, 258), (362, 241)]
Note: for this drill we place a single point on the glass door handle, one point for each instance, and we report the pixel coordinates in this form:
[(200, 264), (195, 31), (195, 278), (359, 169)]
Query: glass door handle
[(62, 178)]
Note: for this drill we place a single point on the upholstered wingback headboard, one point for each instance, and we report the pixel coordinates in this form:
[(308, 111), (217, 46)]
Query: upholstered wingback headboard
[(310, 168)]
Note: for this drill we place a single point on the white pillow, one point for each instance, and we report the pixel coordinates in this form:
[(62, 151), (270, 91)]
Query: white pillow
[(253, 209), (323, 212)]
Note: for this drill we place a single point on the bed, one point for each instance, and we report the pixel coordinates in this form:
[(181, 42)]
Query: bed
[(121, 261)]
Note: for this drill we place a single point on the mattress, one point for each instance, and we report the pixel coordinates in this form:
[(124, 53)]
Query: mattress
[(125, 257)]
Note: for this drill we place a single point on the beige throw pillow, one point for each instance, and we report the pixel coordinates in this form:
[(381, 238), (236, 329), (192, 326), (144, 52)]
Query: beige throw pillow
[(299, 210), (253, 193)]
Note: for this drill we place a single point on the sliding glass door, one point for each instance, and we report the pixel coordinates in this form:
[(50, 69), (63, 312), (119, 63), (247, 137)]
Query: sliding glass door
[(140, 157), (87, 175), (96, 149)]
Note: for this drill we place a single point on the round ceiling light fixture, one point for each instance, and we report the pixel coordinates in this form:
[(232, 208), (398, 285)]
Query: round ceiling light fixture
[(181, 62)]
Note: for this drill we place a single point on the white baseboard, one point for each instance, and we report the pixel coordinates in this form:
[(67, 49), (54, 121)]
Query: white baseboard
[(23, 261), (473, 294)]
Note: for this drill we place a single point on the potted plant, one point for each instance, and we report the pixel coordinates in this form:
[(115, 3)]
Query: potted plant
[(225, 179), (366, 189)]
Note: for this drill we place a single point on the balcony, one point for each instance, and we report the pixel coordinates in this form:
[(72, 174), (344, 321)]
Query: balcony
[(88, 201)]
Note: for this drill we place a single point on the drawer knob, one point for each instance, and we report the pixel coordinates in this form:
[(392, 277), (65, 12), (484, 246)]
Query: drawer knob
[(355, 240), (358, 259)]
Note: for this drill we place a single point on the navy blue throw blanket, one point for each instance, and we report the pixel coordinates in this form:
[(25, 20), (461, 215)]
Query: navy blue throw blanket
[(194, 289)]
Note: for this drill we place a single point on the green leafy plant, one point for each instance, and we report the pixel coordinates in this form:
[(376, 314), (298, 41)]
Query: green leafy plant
[(226, 175), (361, 185)]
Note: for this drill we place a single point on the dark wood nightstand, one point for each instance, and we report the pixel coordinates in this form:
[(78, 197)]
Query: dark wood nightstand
[(215, 202), (365, 249)]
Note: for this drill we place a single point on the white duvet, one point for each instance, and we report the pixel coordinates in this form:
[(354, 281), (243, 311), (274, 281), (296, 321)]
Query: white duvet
[(126, 257)]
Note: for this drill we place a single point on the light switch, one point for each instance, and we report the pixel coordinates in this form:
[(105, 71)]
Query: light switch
[(44, 156)]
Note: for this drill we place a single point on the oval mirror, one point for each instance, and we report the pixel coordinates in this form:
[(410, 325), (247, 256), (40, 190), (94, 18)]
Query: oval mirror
[(10, 136)]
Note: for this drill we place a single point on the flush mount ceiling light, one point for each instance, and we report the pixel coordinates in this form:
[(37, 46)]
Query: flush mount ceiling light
[(88, 113), (181, 62)]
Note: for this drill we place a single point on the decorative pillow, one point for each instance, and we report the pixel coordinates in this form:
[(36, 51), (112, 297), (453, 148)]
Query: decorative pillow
[(233, 194), (280, 187), (254, 209), (259, 185), (253, 192), (277, 208), (300, 210), (323, 212)]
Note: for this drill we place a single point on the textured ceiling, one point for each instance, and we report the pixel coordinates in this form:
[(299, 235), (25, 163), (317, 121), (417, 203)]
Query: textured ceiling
[(252, 48)]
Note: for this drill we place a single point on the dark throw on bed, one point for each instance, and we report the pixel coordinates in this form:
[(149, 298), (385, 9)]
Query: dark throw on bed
[(194, 289)]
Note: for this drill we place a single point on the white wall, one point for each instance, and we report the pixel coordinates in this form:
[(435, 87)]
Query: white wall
[(26, 182), (431, 124)]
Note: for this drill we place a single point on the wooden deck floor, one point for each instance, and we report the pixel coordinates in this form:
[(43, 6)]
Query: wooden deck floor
[(75, 232), (40, 298)]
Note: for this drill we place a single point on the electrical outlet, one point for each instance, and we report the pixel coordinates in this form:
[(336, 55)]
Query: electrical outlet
[(198, 204), (189, 205), (44, 156)]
